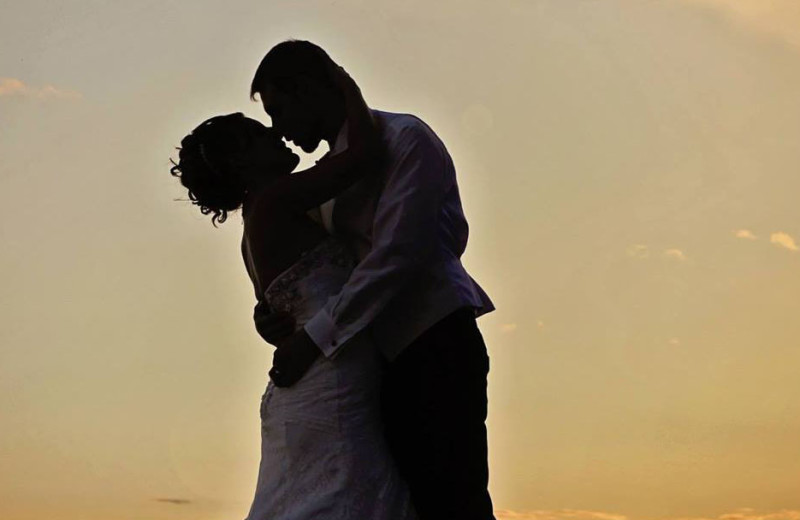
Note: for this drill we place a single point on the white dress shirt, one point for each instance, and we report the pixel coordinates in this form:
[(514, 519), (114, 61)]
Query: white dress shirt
[(408, 229)]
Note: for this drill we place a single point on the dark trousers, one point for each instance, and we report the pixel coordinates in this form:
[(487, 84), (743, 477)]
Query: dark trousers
[(434, 409)]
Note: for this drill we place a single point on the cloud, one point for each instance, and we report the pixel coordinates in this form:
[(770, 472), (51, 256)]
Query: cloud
[(675, 253), (641, 251), (508, 327), (751, 514), (12, 87), (560, 514), (638, 251), (577, 514), (783, 240), (745, 233), (774, 18), (175, 501)]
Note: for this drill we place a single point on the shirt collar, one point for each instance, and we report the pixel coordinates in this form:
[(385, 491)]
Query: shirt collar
[(341, 140), (340, 143)]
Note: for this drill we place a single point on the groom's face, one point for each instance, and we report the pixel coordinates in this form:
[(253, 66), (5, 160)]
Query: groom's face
[(293, 117)]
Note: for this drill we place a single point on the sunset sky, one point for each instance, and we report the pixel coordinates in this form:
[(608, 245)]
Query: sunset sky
[(629, 169)]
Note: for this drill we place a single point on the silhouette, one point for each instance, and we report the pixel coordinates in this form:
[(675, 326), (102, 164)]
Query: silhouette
[(377, 394), (322, 454)]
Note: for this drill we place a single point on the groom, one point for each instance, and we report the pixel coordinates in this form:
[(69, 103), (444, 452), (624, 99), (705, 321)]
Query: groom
[(409, 289)]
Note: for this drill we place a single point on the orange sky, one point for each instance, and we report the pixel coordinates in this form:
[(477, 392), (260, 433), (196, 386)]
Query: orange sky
[(629, 170)]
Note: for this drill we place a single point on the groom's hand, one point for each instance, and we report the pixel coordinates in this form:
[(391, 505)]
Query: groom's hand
[(274, 327), (292, 359)]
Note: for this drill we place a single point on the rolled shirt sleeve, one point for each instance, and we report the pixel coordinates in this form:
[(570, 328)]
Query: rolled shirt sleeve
[(404, 237)]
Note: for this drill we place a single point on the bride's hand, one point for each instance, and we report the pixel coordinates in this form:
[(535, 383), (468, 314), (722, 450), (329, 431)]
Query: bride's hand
[(292, 359), (272, 326)]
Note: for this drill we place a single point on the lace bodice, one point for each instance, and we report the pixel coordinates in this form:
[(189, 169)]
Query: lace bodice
[(304, 288), (323, 454)]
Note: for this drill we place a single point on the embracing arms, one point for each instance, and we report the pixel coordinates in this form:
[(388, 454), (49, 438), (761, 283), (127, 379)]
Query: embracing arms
[(332, 174), (404, 240), (404, 237)]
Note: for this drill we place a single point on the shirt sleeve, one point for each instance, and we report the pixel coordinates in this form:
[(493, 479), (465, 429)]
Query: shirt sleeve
[(404, 237)]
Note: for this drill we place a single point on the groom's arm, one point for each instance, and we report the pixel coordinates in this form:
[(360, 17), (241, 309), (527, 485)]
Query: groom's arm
[(404, 237)]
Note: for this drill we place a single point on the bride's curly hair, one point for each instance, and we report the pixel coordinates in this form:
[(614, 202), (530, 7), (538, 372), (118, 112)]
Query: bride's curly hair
[(205, 169)]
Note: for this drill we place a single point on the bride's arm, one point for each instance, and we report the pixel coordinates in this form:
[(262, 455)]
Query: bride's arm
[(307, 189)]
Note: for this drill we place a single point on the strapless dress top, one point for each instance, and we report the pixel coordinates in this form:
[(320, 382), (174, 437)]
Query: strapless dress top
[(304, 288)]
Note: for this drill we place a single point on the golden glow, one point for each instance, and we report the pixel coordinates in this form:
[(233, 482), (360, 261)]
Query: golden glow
[(630, 172)]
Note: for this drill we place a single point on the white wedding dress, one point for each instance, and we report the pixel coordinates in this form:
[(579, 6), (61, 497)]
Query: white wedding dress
[(323, 454)]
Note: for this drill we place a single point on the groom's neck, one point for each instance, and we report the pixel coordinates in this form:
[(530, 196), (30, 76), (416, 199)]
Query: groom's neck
[(334, 121)]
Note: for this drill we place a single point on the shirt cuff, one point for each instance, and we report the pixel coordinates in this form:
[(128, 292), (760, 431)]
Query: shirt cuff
[(321, 329)]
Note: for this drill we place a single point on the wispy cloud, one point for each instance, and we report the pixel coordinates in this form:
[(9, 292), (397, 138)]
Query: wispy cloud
[(642, 251), (13, 87), (559, 514), (751, 514), (676, 254), (745, 234), (508, 327), (578, 514), (175, 501), (783, 240), (775, 18), (638, 251)]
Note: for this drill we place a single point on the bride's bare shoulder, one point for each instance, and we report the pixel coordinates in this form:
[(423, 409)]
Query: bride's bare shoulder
[(262, 202)]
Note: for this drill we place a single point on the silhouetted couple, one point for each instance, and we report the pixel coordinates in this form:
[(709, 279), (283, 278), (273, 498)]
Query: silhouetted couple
[(376, 404)]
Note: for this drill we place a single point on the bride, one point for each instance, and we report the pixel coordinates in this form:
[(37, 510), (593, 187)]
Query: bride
[(323, 455)]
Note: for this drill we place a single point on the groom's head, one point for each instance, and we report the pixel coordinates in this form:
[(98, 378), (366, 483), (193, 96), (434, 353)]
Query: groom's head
[(294, 84)]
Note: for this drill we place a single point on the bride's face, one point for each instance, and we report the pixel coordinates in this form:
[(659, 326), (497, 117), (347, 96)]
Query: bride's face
[(264, 153)]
